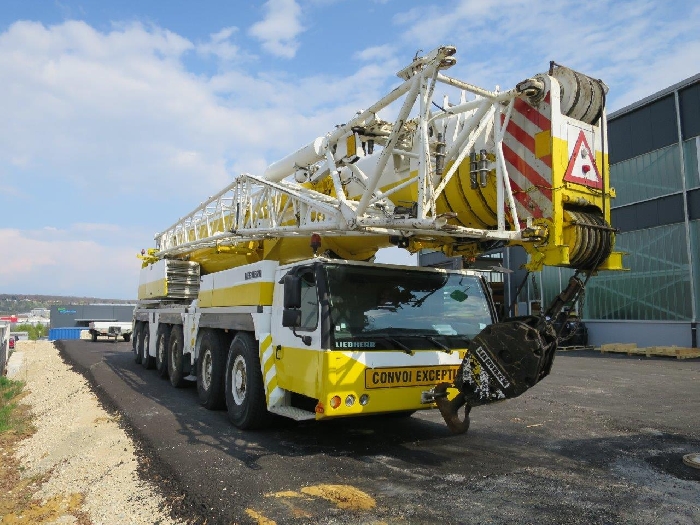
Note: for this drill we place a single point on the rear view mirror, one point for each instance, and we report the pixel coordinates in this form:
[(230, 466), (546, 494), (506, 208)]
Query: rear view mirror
[(291, 318), (292, 291)]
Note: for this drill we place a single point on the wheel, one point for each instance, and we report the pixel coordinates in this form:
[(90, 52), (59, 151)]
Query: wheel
[(210, 371), (137, 341), (176, 366), (162, 338), (94, 337), (126, 337), (147, 361), (245, 393)]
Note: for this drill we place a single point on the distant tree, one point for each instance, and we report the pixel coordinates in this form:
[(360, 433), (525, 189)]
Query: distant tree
[(34, 331)]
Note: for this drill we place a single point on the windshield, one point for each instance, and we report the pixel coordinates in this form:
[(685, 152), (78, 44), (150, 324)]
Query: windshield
[(380, 308)]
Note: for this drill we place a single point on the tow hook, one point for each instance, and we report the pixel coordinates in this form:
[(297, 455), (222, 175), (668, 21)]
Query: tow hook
[(432, 395), (450, 409)]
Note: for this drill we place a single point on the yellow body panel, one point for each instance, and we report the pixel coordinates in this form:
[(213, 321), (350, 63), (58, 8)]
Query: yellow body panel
[(300, 370), (543, 143), (246, 294), (322, 375), (153, 289)]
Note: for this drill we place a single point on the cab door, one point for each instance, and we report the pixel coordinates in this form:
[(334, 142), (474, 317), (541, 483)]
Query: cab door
[(299, 366)]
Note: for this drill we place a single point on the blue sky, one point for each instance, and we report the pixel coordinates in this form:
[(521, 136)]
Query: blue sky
[(120, 117)]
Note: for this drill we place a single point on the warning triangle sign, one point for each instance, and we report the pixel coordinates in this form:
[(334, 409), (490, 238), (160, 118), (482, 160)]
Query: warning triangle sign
[(582, 168)]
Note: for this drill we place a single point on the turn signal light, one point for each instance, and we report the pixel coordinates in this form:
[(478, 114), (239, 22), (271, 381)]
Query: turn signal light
[(335, 401)]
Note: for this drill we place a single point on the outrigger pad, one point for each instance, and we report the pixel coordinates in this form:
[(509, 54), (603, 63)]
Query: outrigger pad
[(506, 359)]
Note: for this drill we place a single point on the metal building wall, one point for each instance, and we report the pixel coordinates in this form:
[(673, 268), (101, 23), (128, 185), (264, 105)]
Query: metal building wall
[(71, 315)]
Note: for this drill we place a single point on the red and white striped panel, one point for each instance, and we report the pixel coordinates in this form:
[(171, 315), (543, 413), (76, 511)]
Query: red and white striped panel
[(530, 177)]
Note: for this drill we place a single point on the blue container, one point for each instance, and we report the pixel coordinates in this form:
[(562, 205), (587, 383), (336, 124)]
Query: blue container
[(56, 334)]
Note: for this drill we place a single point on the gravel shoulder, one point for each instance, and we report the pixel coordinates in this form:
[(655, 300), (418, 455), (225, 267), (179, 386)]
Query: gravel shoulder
[(84, 466)]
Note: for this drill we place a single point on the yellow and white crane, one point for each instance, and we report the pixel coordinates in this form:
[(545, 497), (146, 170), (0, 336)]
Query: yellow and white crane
[(267, 294)]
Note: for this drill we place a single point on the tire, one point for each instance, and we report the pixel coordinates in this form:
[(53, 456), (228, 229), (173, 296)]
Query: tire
[(245, 393), (147, 361), (126, 337), (162, 340), (136, 342), (176, 368), (210, 371), (94, 337)]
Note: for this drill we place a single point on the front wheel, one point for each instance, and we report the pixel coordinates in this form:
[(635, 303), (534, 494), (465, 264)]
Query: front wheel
[(210, 371), (137, 341), (245, 392)]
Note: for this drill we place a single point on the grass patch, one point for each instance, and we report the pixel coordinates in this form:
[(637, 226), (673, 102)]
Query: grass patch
[(9, 392)]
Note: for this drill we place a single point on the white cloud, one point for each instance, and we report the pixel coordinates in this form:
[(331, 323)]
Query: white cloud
[(119, 109), (116, 107), (376, 53), (119, 130), (629, 44), (220, 46), (40, 261), (279, 30)]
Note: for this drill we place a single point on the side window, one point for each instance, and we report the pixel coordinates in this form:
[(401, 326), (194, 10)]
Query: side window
[(309, 302)]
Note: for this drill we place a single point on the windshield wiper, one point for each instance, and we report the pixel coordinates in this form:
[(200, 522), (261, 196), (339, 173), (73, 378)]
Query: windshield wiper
[(438, 343), (399, 344)]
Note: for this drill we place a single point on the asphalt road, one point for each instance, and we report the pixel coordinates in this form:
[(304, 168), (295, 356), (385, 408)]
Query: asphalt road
[(600, 441)]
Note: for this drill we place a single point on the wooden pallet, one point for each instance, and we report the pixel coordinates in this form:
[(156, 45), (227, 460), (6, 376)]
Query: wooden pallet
[(574, 347), (651, 351)]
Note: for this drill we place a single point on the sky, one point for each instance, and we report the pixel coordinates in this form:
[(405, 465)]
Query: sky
[(120, 117)]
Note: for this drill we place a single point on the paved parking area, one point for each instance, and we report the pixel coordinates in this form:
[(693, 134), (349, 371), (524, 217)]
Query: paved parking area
[(601, 440)]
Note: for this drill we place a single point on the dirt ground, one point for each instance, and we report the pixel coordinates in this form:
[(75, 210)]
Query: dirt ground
[(72, 462)]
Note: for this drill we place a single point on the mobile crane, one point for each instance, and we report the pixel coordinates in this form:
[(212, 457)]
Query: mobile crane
[(267, 294)]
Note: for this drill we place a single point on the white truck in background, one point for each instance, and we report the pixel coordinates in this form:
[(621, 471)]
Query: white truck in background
[(111, 330)]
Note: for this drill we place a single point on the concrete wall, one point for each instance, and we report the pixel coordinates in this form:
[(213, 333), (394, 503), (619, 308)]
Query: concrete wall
[(644, 333), (4, 345)]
